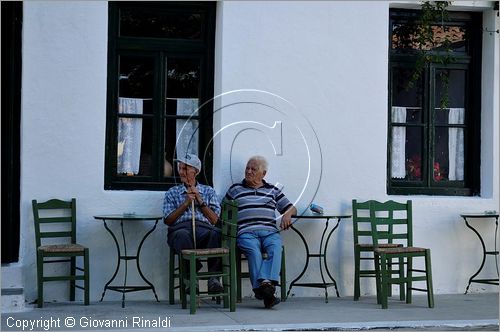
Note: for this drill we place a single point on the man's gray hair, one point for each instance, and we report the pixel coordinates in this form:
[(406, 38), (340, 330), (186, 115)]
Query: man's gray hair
[(262, 162)]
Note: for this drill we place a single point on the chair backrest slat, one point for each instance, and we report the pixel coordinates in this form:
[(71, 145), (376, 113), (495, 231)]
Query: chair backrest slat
[(55, 234), (55, 204), (360, 219), (383, 220), (229, 225), (55, 220), (52, 210)]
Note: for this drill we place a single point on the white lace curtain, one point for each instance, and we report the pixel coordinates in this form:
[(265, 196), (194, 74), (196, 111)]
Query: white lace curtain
[(398, 146), (129, 136), (186, 130), (456, 145)]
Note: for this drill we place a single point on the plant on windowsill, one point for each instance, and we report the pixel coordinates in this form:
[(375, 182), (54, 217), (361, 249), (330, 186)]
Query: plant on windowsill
[(414, 171)]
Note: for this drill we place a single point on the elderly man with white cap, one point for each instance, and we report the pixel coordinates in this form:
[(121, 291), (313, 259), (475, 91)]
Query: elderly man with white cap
[(178, 214)]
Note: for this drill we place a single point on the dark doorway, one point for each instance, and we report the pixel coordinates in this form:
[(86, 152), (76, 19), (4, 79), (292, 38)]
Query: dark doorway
[(12, 13)]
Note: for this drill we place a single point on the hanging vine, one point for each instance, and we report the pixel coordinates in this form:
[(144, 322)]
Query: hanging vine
[(433, 43)]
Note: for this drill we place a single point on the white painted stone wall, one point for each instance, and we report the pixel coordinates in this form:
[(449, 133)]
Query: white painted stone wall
[(317, 71)]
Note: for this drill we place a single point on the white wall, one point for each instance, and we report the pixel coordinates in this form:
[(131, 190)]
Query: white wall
[(320, 68)]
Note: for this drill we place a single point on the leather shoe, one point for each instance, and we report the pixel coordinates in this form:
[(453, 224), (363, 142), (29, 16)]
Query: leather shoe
[(214, 286), (258, 294), (267, 291), (271, 302)]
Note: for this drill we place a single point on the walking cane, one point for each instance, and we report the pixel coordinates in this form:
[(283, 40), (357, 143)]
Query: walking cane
[(193, 224)]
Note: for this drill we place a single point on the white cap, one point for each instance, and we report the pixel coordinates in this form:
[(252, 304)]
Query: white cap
[(191, 160)]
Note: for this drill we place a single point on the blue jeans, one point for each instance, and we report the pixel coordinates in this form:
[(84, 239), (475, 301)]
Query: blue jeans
[(253, 244)]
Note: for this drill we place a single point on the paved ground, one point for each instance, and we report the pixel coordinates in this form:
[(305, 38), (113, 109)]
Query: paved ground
[(470, 312)]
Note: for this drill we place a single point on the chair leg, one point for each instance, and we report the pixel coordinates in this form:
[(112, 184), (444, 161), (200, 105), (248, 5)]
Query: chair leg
[(39, 263), (384, 281), (401, 267), (378, 277), (238, 276), (182, 285), (86, 277), (192, 284), (409, 275), (226, 270), (72, 282), (283, 275), (428, 273), (233, 281), (171, 279), (356, 273), (389, 271)]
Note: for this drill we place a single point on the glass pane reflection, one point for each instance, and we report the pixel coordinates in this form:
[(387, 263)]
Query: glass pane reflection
[(146, 22)]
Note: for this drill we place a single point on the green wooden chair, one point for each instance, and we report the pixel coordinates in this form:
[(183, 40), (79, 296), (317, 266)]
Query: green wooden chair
[(173, 275), (398, 216), (245, 274), (55, 220), (363, 247), (227, 252)]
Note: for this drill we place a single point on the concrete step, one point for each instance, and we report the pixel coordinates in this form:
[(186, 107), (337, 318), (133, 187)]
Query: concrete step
[(12, 300)]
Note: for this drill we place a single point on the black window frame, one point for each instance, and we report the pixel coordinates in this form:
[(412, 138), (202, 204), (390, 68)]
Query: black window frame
[(160, 49), (471, 60)]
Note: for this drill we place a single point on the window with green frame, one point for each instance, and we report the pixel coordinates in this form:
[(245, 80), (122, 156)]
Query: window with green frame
[(160, 89), (434, 117)]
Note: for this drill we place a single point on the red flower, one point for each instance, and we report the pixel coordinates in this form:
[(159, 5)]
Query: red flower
[(437, 172), (414, 169)]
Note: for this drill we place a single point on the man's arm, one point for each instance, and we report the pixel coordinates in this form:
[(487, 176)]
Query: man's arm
[(209, 213), (204, 206), (174, 215), (286, 220)]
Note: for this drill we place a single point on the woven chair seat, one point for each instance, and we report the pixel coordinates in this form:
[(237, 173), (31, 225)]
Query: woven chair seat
[(70, 247), (400, 250), (208, 251), (381, 245)]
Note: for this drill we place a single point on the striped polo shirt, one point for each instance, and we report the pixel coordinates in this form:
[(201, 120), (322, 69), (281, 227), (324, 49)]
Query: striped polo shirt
[(257, 206)]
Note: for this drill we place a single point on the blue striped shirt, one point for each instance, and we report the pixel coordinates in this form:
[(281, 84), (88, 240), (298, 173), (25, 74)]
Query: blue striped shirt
[(175, 196), (257, 206)]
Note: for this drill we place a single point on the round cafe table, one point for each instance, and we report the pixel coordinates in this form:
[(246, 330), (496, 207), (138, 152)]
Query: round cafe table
[(482, 217), (321, 254), (124, 256)]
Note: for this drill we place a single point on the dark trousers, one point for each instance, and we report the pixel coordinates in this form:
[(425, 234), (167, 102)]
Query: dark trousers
[(180, 237)]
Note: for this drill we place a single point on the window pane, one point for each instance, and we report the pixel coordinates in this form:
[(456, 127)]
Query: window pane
[(181, 137), (448, 154), (183, 78), (406, 153), (148, 22), (449, 95), (187, 137), (134, 150), (406, 96), (405, 36), (136, 81)]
